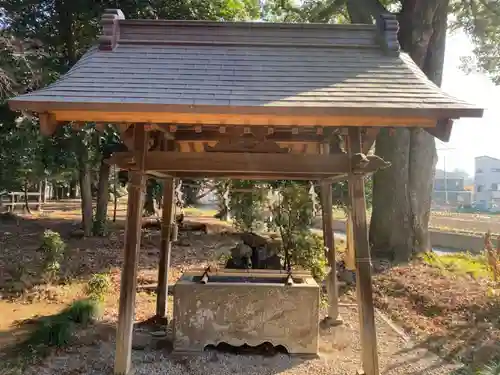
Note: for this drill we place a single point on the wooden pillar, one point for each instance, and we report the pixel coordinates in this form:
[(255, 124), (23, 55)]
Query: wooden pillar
[(329, 241), (350, 259), (126, 313), (165, 247), (363, 262)]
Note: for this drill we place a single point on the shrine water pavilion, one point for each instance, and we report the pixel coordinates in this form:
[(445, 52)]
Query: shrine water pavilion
[(246, 100)]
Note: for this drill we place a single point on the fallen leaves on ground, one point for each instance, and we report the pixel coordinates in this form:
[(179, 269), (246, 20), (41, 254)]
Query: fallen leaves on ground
[(455, 315)]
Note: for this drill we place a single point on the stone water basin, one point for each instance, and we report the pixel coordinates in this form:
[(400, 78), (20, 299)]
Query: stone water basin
[(252, 307)]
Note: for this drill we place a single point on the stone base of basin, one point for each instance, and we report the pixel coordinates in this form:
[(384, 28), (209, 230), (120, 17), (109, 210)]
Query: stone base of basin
[(238, 307)]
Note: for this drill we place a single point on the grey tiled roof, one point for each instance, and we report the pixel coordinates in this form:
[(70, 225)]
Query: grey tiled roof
[(340, 68)]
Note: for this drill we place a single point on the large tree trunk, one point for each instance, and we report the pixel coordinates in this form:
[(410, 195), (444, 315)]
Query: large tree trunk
[(101, 211), (402, 193)]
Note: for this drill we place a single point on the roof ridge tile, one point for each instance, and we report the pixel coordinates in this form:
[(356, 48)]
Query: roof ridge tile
[(387, 33), (110, 29)]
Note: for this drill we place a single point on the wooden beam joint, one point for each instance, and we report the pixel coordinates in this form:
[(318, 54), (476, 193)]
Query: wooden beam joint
[(48, 123)]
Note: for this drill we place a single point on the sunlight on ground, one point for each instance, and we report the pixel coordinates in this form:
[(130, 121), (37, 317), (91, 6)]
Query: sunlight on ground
[(460, 263), (195, 211)]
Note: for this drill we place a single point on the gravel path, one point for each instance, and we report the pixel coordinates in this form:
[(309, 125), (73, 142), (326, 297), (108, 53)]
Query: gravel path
[(339, 355)]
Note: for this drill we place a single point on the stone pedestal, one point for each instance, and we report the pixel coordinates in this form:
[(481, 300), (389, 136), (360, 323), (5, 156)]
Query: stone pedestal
[(238, 307)]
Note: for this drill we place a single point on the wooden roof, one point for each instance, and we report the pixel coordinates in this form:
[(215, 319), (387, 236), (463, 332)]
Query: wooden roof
[(242, 73)]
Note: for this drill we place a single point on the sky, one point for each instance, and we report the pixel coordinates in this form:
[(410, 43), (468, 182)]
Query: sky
[(469, 137)]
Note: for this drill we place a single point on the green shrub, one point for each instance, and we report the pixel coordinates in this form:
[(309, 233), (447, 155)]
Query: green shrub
[(309, 254), (53, 248), (99, 227), (52, 243), (491, 369), (97, 287), (291, 217), (247, 207), (83, 311), (57, 330), (54, 330)]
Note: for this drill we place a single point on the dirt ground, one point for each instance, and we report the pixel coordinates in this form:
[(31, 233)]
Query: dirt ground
[(453, 316), (340, 354)]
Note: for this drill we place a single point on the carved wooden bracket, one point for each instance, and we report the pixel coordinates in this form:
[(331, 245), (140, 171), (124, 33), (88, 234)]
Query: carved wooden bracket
[(362, 164)]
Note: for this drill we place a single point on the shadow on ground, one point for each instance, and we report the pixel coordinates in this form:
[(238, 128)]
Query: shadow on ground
[(91, 350)]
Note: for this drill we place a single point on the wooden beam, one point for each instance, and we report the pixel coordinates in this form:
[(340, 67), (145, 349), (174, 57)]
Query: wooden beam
[(165, 247), (48, 123), (333, 318), (243, 119), (126, 307), (442, 131), (246, 163), (363, 261)]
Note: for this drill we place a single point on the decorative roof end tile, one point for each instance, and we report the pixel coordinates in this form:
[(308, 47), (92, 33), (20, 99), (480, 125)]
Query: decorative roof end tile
[(387, 33), (110, 29)]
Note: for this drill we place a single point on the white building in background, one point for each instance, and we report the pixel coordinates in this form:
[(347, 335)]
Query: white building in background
[(449, 189), (487, 183)]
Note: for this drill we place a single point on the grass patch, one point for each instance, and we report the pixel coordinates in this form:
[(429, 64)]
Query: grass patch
[(195, 211), (491, 369), (53, 331), (460, 263), (83, 311), (57, 330)]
